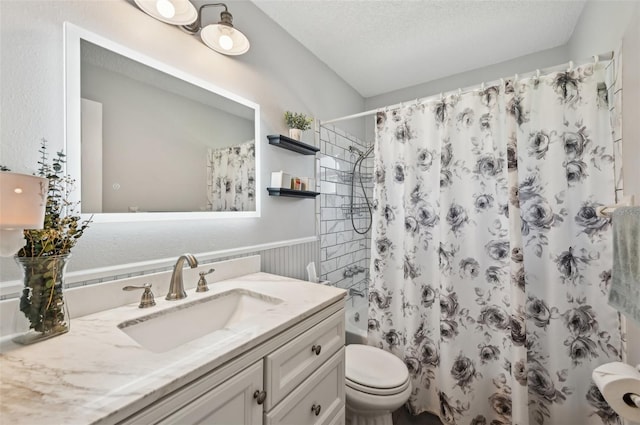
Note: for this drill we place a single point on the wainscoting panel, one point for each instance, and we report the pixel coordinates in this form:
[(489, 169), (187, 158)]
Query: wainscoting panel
[(285, 258), (290, 261)]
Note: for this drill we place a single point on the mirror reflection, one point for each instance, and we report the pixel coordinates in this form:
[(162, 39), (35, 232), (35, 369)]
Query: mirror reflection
[(153, 143)]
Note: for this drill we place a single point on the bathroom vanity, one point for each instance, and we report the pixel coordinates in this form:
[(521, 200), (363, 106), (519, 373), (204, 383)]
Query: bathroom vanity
[(278, 358)]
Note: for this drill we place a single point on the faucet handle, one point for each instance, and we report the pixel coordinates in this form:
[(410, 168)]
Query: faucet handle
[(147, 299), (202, 283)]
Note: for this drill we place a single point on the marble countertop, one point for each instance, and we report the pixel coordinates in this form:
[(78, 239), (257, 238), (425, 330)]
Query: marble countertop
[(96, 370)]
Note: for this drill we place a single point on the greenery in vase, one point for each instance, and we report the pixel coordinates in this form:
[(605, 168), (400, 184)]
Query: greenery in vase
[(46, 250), (62, 227), (297, 120), (42, 301)]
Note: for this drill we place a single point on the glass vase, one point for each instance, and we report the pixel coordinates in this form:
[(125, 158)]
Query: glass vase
[(42, 299)]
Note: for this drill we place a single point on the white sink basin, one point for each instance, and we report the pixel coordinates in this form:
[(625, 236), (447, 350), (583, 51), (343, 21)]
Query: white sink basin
[(164, 330)]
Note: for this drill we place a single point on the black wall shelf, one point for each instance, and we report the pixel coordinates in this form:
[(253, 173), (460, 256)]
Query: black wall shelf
[(294, 145), (281, 191)]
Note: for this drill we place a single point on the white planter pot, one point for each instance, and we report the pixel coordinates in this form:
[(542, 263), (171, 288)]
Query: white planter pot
[(295, 133)]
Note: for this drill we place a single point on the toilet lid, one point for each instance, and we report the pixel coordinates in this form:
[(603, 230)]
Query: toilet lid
[(374, 368)]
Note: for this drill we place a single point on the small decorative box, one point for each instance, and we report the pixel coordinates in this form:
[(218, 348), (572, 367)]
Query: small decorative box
[(281, 179)]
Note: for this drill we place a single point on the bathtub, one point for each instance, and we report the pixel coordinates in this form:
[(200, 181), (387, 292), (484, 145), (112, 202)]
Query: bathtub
[(356, 320)]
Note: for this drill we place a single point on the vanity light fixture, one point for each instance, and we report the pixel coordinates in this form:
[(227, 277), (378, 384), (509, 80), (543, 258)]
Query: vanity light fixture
[(221, 37), (175, 12), (23, 200)]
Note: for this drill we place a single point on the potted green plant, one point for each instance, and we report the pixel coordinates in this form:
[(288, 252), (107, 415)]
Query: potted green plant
[(297, 123), (44, 257)]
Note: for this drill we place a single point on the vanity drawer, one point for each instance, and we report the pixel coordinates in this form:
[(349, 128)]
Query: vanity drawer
[(292, 363), (317, 401)]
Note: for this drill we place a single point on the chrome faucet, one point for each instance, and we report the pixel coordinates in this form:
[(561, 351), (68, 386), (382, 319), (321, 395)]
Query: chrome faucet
[(176, 288)]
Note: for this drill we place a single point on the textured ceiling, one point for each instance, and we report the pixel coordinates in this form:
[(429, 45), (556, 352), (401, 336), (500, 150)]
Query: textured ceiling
[(378, 46)]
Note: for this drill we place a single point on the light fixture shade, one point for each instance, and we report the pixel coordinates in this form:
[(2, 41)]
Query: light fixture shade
[(22, 206), (224, 39), (175, 12), (22, 200)]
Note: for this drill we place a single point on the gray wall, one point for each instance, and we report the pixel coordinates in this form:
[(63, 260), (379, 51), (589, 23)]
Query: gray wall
[(277, 73)]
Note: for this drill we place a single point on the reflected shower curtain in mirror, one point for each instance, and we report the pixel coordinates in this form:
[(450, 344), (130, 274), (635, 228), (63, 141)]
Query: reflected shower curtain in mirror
[(231, 175), (489, 265)]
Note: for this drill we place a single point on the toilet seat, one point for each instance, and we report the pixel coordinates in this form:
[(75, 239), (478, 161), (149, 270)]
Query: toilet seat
[(374, 371), (377, 391)]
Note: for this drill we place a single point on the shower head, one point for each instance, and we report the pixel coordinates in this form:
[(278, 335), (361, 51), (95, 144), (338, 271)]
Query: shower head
[(361, 155)]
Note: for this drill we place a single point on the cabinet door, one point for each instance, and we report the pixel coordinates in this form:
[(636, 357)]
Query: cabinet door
[(231, 402), (317, 400)]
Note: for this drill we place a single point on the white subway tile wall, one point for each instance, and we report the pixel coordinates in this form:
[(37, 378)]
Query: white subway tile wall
[(344, 254)]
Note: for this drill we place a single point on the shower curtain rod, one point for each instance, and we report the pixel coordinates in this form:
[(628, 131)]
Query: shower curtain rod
[(601, 57)]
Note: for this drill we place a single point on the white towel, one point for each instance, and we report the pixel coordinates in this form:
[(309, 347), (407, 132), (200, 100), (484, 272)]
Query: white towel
[(624, 294)]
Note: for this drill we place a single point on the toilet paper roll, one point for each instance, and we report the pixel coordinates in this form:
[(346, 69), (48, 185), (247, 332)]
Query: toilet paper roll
[(617, 381)]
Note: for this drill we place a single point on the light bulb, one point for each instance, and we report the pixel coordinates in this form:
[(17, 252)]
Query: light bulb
[(225, 42), (166, 9)]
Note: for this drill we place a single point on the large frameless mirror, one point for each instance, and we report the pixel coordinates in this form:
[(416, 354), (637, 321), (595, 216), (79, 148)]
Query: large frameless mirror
[(146, 141)]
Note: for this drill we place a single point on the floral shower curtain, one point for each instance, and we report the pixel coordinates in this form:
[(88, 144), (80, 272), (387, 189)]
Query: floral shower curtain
[(489, 265), (231, 175)]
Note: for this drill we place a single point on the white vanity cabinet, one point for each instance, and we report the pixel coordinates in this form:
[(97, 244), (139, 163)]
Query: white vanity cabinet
[(295, 378)]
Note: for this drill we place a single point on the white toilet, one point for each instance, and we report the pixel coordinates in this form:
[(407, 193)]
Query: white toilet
[(377, 383)]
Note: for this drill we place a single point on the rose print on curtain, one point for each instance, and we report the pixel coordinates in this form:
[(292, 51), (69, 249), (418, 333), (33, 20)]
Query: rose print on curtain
[(231, 178), (487, 255)]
